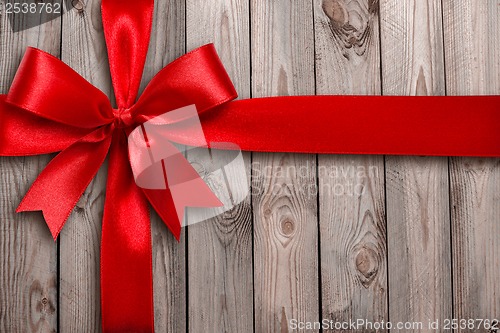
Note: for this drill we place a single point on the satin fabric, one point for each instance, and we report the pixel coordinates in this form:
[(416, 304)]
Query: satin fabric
[(387, 125), (46, 115), (50, 108), (85, 131)]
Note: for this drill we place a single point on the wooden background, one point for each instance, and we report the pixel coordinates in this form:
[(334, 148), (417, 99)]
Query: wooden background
[(420, 243)]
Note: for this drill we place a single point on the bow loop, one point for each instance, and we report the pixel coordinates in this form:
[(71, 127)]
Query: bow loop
[(48, 88), (198, 77), (23, 133)]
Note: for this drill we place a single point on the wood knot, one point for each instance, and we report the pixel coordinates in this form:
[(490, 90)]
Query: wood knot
[(367, 265), (78, 5), (350, 23), (45, 306), (287, 227), (335, 11)]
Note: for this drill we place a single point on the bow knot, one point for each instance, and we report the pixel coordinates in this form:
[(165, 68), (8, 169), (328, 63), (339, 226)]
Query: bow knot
[(123, 118)]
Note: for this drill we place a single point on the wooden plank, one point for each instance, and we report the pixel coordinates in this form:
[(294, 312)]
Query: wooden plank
[(347, 47), (418, 240), (169, 256), (220, 249), (418, 222), (471, 37), (285, 210), (81, 254), (351, 188), (84, 49), (472, 32), (28, 255)]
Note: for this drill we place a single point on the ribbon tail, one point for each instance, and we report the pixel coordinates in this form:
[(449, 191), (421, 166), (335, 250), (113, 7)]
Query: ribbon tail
[(170, 204), (168, 180), (126, 255), (163, 204), (193, 193), (59, 186), (180, 187)]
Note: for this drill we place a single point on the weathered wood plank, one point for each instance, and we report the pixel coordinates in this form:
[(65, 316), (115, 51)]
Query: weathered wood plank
[(283, 185), (220, 249), (169, 256), (84, 49), (351, 188), (412, 48), (286, 262), (28, 255), (471, 35), (347, 47), (418, 221), (472, 48), (419, 240)]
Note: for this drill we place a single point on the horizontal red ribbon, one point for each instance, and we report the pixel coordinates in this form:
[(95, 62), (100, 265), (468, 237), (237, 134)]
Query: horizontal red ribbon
[(381, 125), (50, 108)]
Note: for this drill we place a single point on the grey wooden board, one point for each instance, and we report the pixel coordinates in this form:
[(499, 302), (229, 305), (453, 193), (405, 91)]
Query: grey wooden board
[(169, 256), (420, 242), (285, 213), (472, 48), (28, 254), (220, 249), (418, 218), (83, 48), (351, 188)]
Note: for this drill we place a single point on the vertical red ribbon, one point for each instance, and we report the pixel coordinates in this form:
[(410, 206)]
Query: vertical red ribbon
[(126, 257)]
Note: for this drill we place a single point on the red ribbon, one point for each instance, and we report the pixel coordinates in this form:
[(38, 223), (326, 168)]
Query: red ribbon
[(51, 108)]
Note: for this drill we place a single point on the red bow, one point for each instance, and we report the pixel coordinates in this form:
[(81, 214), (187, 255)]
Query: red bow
[(88, 127), (62, 111), (79, 109)]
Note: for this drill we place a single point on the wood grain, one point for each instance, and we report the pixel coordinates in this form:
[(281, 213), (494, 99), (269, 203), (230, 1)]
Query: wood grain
[(418, 221), (220, 249), (441, 238), (169, 256), (283, 185), (351, 188), (418, 231), (84, 49), (472, 33), (28, 255), (347, 47)]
